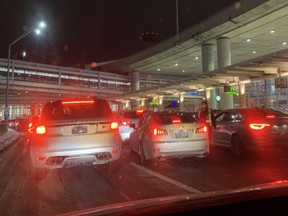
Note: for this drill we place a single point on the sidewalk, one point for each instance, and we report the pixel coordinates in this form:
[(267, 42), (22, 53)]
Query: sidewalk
[(7, 137)]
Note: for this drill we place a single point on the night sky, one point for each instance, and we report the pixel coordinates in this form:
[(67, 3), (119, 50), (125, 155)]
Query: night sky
[(86, 31)]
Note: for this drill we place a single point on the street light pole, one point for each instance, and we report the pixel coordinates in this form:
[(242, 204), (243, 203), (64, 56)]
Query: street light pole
[(27, 32)]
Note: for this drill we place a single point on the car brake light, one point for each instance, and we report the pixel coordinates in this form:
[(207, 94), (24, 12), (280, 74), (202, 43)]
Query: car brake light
[(176, 121), (203, 129), (78, 102), (139, 111), (125, 123), (114, 125), (157, 131), (41, 129), (270, 116), (258, 126)]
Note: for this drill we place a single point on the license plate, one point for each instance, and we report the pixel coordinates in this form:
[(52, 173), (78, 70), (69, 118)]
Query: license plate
[(181, 134), (79, 129)]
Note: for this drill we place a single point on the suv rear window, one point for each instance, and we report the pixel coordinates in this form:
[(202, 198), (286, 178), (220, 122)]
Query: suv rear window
[(76, 109), (168, 118)]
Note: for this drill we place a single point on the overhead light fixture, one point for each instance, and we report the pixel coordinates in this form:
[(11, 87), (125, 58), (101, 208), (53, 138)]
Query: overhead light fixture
[(248, 40), (196, 57), (272, 31), (176, 65), (158, 69), (183, 71), (254, 52), (284, 43)]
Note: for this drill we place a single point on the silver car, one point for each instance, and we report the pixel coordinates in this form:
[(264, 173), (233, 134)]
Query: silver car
[(161, 135), (76, 132)]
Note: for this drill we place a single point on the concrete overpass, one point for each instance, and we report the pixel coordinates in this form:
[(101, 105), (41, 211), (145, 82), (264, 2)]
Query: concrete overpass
[(255, 47)]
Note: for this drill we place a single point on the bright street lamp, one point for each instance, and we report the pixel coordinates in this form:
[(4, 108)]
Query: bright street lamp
[(37, 28)]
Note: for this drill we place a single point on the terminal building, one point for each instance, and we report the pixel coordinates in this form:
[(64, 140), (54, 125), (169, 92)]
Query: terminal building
[(238, 57)]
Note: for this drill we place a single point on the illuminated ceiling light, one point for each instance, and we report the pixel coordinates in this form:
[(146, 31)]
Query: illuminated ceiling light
[(176, 65), (183, 71), (284, 43), (254, 52), (181, 84), (26, 92), (196, 58), (272, 31), (248, 40), (158, 69)]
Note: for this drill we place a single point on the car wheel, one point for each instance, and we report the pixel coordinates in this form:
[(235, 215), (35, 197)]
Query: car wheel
[(237, 145), (114, 166), (143, 159), (37, 173)]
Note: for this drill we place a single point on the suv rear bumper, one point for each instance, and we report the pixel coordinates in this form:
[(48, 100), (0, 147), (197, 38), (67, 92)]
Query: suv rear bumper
[(55, 160)]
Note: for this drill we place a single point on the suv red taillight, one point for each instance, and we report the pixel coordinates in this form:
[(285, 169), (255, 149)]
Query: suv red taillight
[(124, 123), (40, 129), (114, 125)]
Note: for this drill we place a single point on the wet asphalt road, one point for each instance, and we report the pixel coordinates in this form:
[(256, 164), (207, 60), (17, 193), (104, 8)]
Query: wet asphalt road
[(71, 189)]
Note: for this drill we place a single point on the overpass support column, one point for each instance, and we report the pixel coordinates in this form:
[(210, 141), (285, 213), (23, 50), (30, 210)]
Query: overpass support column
[(207, 57), (135, 80), (160, 103), (210, 95), (127, 105), (144, 103), (242, 95), (208, 65), (224, 59), (181, 101)]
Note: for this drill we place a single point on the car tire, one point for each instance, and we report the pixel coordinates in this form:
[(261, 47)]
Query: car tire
[(114, 166), (37, 173), (143, 160), (237, 145)]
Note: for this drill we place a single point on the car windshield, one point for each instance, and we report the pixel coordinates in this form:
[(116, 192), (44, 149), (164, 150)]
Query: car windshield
[(143, 107)]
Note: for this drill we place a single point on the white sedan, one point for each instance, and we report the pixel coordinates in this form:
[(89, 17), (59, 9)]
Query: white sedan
[(160, 135)]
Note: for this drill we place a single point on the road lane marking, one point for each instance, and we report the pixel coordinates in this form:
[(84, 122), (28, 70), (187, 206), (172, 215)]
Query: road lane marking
[(165, 178)]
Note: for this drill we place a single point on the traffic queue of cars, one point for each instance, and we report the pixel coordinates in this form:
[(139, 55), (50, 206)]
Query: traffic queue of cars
[(85, 132)]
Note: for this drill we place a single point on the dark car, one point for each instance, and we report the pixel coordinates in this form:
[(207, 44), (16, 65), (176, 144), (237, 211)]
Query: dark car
[(250, 129)]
